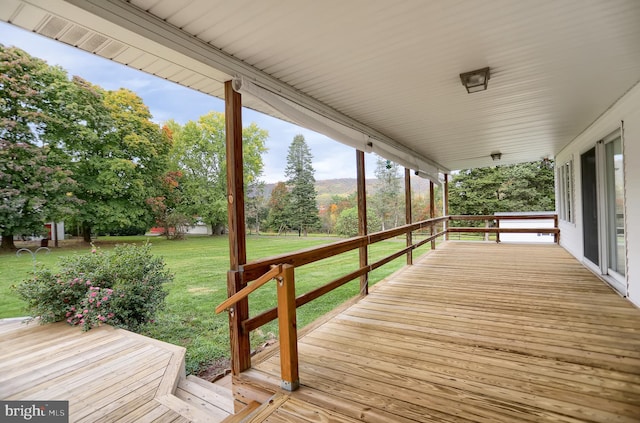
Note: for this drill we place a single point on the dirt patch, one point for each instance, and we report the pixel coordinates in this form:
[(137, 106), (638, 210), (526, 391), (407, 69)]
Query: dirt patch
[(216, 370), (222, 366)]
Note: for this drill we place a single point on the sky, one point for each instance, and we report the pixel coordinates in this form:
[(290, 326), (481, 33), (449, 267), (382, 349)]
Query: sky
[(167, 100)]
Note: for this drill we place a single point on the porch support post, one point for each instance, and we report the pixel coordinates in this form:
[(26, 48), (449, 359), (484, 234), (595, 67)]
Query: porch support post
[(445, 193), (240, 346), (432, 211), (362, 219), (407, 208)]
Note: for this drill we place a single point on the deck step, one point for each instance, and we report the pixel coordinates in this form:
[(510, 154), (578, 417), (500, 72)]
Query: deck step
[(213, 401), (219, 394), (193, 409), (243, 415)]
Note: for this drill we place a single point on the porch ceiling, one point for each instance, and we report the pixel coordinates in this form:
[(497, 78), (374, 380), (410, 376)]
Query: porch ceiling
[(392, 66)]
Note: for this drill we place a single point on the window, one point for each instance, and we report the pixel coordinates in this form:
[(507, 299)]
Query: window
[(565, 185)]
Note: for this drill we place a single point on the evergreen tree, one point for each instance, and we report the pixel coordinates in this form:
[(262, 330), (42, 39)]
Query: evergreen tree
[(302, 208)]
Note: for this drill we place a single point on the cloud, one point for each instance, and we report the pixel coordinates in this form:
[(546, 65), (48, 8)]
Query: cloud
[(167, 100)]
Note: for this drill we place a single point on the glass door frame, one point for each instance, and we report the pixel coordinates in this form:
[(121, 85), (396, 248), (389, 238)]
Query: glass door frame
[(617, 280)]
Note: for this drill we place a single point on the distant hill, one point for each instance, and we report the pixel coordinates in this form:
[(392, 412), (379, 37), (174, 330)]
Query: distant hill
[(327, 188)]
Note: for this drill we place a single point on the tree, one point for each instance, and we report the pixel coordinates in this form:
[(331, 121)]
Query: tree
[(387, 202), (332, 212), (302, 207), (277, 217), (256, 211), (120, 160), (199, 151), (347, 224), (33, 180), (166, 207), (520, 187)]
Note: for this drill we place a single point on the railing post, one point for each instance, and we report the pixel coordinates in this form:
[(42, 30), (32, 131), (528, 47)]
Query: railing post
[(556, 236), (432, 212), (446, 204), (408, 214), (498, 231), (288, 329), (486, 234)]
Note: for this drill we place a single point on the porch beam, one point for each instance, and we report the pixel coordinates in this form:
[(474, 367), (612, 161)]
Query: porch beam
[(362, 219), (408, 214), (240, 346)]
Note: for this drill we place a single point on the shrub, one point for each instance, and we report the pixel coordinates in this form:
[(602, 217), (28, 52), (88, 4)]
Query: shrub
[(122, 288)]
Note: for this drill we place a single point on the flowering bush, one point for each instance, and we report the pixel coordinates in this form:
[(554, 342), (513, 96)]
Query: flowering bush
[(122, 288)]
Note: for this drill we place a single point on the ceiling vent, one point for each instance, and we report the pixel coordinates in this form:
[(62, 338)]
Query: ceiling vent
[(78, 36), (52, 26)]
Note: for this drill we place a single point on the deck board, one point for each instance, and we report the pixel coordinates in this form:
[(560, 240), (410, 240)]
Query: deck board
[(476, 332), (106, 374)]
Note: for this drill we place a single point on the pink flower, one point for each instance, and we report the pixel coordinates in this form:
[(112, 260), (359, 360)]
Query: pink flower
[(93, 251), (98, 304), (78, 316), (68, 314), (85, 311), (82, 321), (93, 294), (105, 298), (73, 309), (110, 315), (90, 300), (88, 282)]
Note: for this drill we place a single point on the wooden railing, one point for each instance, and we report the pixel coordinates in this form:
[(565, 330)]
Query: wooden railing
[(492, 225), (282, 269)]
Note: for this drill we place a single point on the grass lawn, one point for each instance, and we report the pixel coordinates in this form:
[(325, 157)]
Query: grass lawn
[(200, 265)]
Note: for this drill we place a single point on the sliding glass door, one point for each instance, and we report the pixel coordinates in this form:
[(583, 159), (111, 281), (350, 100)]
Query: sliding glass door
[(603, 209), (614, 179)]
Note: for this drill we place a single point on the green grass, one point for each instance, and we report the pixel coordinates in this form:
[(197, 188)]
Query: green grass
[(200, 265)]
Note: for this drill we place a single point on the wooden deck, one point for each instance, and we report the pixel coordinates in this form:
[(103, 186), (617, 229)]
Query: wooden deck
[(473, 332), (106, 374)]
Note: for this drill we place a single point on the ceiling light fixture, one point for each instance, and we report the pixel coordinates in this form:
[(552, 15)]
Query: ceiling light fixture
[(476, 80)]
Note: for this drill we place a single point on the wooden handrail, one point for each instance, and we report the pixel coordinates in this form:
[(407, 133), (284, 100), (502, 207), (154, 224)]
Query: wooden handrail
[(501, 217), (272, 314), (256, 268), (497, 230), (244, 292)]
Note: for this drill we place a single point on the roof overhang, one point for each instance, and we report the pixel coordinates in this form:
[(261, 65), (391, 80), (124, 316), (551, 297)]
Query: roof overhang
[(389, 71)]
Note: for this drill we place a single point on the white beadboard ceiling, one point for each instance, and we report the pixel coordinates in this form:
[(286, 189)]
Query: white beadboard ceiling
[(389, 65)]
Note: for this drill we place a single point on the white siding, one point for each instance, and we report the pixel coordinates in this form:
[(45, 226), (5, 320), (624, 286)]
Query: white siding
[(626, 109)]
